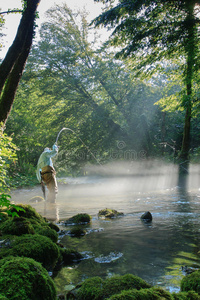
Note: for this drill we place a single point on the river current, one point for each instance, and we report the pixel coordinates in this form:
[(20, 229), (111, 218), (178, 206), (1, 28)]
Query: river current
[(155, 251)]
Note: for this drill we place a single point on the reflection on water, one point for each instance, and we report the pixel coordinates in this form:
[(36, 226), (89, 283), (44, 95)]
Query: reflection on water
[(154, 251)]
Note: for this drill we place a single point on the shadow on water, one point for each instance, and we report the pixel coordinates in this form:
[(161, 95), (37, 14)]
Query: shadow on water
[(154, 251)]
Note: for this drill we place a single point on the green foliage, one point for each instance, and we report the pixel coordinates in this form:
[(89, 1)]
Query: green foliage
[(23, 278), (7, 207), (7, 157), (27, 211)]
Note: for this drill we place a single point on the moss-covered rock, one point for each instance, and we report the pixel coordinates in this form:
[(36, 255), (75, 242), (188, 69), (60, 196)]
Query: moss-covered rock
[(29, 212), (3, 217), (69, 255), (53, 226), (45, 230), (191, 295), (143, 294), (17, 226), (25, 279), (109, 213), (38, 247), (77, 231), (98, 289), (191, 282), (91, 288), (79, 219)]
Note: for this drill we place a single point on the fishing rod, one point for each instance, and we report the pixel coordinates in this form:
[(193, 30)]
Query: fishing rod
[(64, 128)]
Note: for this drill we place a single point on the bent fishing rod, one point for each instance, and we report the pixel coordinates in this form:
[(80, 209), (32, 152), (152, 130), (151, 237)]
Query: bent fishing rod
[(65, 128)]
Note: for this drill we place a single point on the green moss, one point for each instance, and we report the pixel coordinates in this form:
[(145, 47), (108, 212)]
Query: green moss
[(109, 213), (69, 255), (191, 282), (99, 289), (24, 278), (118, 283), (54, 226), (79, 219), (46, 231), (29, 212), (191, 295), (38, 247), (17, 226), (90, 289), (77, 231), (3, 217), (143, 294)]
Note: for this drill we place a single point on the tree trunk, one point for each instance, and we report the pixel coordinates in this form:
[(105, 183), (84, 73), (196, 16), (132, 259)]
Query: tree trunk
[(14, 63), (190, 49)]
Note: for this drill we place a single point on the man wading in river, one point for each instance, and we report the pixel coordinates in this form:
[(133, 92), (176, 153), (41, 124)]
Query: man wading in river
[(46, 173)]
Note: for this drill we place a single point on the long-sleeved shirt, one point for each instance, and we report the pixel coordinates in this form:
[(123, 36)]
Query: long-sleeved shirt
[(45, 160)]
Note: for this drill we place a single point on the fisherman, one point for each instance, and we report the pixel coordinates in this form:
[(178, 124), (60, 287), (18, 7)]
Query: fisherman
[(46, 173)]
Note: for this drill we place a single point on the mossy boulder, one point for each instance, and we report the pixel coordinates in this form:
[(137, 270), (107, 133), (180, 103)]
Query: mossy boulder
[(69, 255), (3, 217), (96, 288), (53, 226), (45, 230), (23, 278), (91, 288), (28, 212), (191, 282), (38, 247), (143, 294), (190, 295), (79, 219), (109, 213), (17, 226), (77, 231)]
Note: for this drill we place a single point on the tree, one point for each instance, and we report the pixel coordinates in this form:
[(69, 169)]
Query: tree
[(154, 30), (68, 83), (12, 66)]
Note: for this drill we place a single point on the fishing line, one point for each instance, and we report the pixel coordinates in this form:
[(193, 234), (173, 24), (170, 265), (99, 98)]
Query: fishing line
[(64, 128)]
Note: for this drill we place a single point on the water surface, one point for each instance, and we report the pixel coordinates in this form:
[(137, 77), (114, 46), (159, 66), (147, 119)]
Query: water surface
[(154, 251)]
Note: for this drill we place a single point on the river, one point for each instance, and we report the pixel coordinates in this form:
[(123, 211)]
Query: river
[(155, 251)]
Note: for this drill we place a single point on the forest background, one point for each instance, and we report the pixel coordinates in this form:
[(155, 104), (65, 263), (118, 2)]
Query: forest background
[(120, 111)]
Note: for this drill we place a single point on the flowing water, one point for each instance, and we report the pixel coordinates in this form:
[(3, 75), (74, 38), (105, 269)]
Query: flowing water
[(155, 251)]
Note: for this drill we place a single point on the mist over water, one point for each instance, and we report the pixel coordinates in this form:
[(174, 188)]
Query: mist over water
[(154, 251)]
